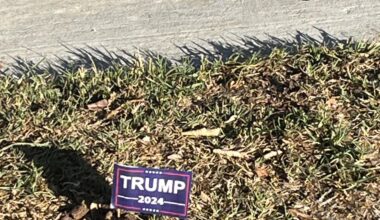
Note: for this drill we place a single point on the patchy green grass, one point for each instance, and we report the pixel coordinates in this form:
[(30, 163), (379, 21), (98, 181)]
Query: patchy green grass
[(300, 134)]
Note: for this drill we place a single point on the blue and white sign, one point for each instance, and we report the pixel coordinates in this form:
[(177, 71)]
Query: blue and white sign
[(154, 191)]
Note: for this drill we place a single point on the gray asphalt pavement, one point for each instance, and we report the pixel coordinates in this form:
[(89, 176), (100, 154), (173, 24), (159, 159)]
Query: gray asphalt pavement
[(33, 29)]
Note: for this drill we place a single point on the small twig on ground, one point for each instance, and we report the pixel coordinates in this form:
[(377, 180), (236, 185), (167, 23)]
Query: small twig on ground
[(25, 144)]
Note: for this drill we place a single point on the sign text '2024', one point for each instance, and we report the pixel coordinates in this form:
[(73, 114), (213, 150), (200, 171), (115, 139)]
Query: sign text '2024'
[(150, 200)]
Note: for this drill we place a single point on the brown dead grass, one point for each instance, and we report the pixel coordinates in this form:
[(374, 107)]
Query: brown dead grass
[(291, 136)]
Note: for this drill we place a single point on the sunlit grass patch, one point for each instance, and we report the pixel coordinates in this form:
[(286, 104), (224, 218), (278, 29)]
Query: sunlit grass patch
[(290, 135)]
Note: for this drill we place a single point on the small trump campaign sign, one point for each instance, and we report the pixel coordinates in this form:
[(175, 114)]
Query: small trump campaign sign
[(155, 191)]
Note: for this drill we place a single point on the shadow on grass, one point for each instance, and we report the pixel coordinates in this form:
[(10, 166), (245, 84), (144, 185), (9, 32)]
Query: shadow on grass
[(69, 175)]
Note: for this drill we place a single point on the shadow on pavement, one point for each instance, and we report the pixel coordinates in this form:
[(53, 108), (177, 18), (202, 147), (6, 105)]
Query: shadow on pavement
[(240, 47)]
